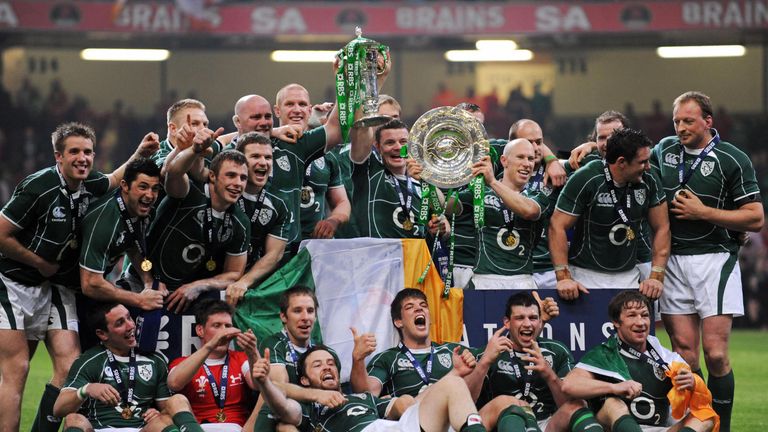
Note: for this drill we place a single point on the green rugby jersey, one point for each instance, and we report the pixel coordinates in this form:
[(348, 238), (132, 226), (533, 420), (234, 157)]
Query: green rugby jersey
[(106, 236), (376, 203), (320, 176), (151, 385), (725, 179), (500, 251), (398, 375), (507, 376), (356, 414), (338, 157), (600, 240), (41, 211), (177, 239), (271, 219), (166, 148)]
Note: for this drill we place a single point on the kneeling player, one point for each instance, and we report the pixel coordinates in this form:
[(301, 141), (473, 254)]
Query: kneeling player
[(626, 375)]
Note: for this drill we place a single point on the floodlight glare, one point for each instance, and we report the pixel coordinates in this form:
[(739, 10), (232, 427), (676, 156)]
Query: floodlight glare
[(303, 56), (494, 44), (488, 56), (701, 51), (115, 54)]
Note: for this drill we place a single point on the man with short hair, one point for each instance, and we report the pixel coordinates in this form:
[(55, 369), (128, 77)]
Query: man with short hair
[(39, 229), (199, 239), (117, 225), (298, 312), (415, 363), (184, 118), (114, 387), (626, 376), (608, 200), (215, 379), (713, 196), (268, 215), (446, 403), (528, 368)]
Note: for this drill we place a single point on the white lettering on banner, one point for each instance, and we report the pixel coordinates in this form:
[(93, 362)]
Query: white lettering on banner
[(147, 17), (550, 19), (268, 20), (578, 337), (490, 328), (730, 14), (607, 329), (453, 19), (8, 16), (187, 340)]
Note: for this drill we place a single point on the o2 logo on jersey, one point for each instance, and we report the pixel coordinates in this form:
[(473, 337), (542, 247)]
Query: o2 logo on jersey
[(644, 408), (356, 411), (307, 197), (193, 254), (398, 220), (612, 236), (508, 240)]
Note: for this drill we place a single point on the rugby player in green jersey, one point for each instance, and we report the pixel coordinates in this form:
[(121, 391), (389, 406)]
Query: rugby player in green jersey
[(446, 403), (522, 369), (118, 224), (268, 215), (39, 230), (199, 239), (298, 312), (184, 118), (114, 387), (624, 377), (607, 201), (713, 194)]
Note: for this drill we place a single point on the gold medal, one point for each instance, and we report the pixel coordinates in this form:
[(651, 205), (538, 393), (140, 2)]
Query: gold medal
[(510, 241), (73, 244), (210, 265), (407, 225), (305, 195), (681, 193), (126, 413), (146, 265), (220, 416), (630, 234), (318, 428)]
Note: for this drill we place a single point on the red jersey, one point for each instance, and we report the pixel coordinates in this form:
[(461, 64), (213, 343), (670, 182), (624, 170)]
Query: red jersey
[(239, 400)]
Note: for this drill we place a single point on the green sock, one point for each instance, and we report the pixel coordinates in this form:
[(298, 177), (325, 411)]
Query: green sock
[(583, 419), (626, 423), (699, 373), (473, 424), (513, 419), (722, 398), (186, 422), (44, 420)]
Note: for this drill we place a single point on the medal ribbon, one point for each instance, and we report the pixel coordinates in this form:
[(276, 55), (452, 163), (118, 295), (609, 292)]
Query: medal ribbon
[(208, 226), (350, 82), (623, 211), (405, 202), (139, 237), (477, 185), (74, 208), (534, 184), (518, 369), (654, 359), (684, 175), (220, 397), (291, 350), (126, 391), (424, 375)]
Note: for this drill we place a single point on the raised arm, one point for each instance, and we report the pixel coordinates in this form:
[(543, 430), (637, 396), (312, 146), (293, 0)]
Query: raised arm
[(147, 147), (287, 410)]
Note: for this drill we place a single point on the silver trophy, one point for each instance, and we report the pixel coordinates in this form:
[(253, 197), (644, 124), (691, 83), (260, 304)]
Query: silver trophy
[(369, 99), (447, 141)]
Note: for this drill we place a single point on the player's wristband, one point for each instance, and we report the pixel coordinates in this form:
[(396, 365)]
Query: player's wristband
[(657, 273), (562, 273), (549, 158), (81, 392)]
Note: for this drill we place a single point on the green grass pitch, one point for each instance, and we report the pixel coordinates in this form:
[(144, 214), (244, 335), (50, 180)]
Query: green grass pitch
[(749, 357)]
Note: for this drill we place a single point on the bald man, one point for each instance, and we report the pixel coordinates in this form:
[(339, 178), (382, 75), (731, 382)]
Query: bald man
[(505, 243)]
